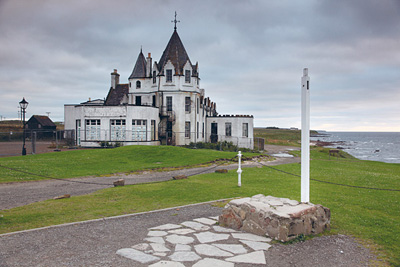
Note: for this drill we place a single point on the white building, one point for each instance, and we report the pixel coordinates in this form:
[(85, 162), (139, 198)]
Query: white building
[(161, 104)]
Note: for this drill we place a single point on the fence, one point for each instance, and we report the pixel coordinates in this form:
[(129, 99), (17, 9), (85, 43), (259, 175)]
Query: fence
[(259, 143), (46, 141), (35, 141)]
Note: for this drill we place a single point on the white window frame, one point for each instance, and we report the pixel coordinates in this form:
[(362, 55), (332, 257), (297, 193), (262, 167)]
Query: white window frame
[(245, 129), (228, 129), (168, 76), (187, 76), (187, 129), (117, 129), (139, 130), (93, 129), (188, 104)]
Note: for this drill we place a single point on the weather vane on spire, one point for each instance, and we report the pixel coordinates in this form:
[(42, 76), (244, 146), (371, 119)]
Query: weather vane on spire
[(175, 21)]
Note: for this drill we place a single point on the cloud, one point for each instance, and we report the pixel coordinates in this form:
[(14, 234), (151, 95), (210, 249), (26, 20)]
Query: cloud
[(251, 55)]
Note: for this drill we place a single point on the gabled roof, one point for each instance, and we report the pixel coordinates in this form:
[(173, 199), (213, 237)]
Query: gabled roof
[(176, 53), (42, 120), (115, 96), (139, 71)]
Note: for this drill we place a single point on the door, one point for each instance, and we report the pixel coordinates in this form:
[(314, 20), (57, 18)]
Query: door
[(214, 132), (169, 133)]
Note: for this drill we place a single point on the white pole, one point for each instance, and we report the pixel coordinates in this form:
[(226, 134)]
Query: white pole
[(239, 171), (305, 137)]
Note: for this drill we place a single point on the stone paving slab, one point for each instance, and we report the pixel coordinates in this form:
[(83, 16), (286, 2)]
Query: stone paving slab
[(200, 242)]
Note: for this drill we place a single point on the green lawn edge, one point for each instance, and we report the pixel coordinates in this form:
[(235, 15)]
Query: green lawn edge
[(100, 162)]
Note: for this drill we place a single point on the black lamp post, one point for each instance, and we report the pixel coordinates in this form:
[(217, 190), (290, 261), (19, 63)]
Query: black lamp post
[(23, 104)]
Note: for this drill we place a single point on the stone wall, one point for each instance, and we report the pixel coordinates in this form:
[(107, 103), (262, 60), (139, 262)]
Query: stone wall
[(279, 218)]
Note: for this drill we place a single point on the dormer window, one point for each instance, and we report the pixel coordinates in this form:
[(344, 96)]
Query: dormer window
[(169, 76), (187, 76), (138, 84), (154, 77)]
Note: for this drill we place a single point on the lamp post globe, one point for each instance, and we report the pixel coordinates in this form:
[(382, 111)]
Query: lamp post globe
[(23, 105)]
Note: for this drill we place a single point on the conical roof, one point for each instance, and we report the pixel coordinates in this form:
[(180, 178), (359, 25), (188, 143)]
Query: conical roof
[(176, 53), (139, 71)]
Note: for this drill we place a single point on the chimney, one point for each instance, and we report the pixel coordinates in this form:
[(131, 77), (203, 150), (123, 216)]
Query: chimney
[(114, 79), (148, 66)]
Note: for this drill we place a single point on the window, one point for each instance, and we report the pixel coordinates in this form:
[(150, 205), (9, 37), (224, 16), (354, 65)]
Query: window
[(92, 130), (154, 77), (198, 105), (202, 132), (153, 130), (138, 100), (78, 132), (187, 76), (139, 130), (117, 130), (154, 101), (228, 129), (138, 84), (197, 130), (187, 129), (169, 76), (187, 104), (245, 130), (169, 103)]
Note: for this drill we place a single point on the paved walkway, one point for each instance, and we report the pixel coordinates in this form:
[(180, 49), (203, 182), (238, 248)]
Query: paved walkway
[(183, 236)]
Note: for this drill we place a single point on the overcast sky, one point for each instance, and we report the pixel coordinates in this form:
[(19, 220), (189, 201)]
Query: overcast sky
[(251, 55)]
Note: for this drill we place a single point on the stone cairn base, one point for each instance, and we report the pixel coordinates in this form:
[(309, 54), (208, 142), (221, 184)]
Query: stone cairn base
[(278, 218)]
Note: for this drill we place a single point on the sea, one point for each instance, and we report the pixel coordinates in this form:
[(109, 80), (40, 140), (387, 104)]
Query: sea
[(376, 146)]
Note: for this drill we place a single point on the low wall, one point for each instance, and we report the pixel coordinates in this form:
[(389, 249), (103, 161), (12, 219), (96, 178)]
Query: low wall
[(279, 218)]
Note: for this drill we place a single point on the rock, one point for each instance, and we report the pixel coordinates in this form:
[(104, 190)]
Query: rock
[(279, 218), (63, 196), (119, 182), (221, 171), (179, 177)]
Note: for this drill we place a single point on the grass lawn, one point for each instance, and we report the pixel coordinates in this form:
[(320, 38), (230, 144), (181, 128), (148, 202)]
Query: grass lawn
[(281, 137), (370, 215), (96, 162)]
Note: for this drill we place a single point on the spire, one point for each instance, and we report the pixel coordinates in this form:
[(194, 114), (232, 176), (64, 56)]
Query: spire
[(175, 21), (176, 53), (139, 71)]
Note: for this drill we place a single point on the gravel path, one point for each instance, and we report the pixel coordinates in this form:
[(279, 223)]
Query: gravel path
[(95, 243), (19, 194)]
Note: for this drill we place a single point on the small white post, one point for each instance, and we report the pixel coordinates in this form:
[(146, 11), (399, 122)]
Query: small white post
[(305, 137), (239, 171)]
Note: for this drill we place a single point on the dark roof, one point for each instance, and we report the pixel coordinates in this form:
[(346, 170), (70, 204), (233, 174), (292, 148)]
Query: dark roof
[(176, 53), (115, 96), (139, 71), (42, 120)]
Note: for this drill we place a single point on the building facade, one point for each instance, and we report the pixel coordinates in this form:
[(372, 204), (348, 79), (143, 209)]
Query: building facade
[(162, 103)]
